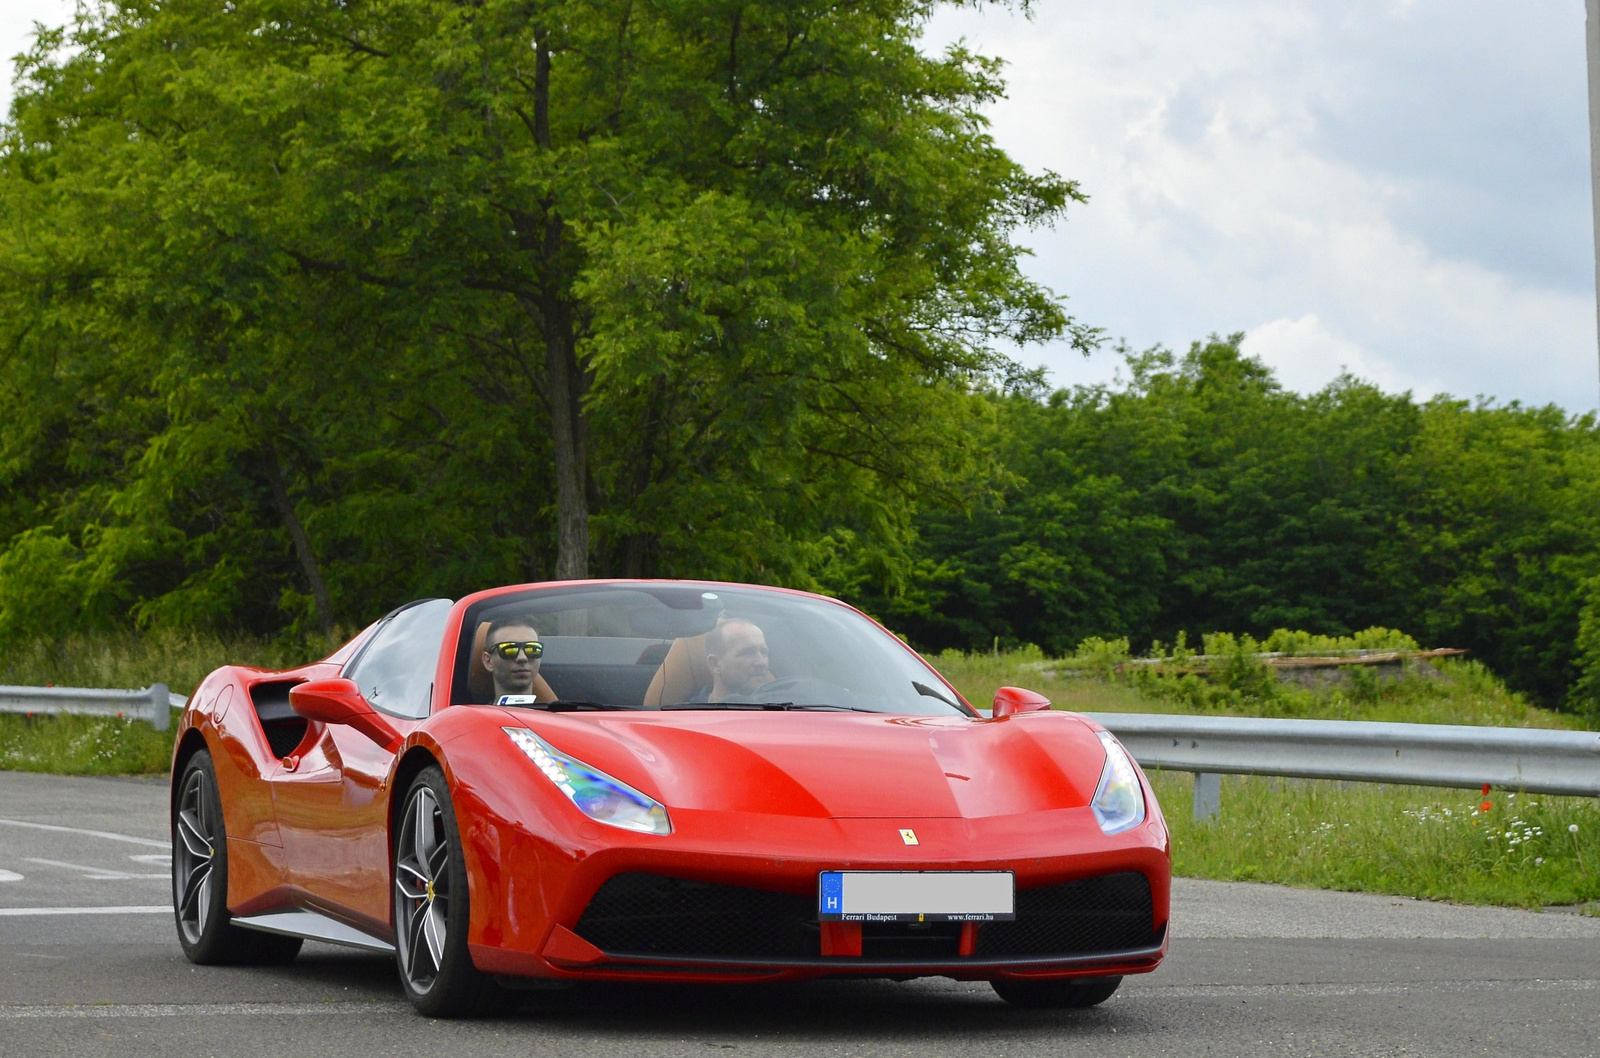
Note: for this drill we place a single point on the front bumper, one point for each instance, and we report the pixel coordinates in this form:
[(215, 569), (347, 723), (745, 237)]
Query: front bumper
[(534, 891)]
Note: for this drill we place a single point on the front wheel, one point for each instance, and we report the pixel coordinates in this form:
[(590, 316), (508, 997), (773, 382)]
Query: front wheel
[(1058, 993), (432, 910), (200, 878)]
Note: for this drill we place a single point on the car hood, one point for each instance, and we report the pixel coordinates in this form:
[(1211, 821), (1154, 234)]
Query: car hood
[(853, 765)]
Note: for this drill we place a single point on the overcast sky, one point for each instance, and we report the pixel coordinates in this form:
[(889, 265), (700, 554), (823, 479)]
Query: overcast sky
[(1396, 187)]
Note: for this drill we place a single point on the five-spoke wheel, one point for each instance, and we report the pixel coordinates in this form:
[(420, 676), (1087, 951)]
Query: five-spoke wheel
[(200, 877), (431, 907), (194, 852), (422, 890)]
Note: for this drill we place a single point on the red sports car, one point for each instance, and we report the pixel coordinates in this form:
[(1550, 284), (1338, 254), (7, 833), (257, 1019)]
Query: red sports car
[(658, 781)]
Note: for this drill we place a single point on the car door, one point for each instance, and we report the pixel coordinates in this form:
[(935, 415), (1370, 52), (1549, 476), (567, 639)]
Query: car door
[(333, 807)]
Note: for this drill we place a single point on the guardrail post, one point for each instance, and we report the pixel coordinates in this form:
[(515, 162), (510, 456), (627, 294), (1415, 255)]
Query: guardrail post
[(160, 706), (1207, 795)]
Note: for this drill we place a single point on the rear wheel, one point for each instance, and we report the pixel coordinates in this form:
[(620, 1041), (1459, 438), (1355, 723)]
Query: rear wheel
[(1057, 993), (200, 878), (432, 910)]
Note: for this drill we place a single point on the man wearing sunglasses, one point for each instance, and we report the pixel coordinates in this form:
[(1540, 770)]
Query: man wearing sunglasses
[(511, 653)]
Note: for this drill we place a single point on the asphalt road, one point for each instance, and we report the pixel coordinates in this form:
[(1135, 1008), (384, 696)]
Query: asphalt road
[(87, 969)]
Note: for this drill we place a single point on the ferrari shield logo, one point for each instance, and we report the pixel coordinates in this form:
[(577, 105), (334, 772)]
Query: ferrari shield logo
[(908, 835)]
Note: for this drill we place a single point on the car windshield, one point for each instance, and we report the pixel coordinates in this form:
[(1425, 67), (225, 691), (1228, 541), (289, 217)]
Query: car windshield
[(675, 646)]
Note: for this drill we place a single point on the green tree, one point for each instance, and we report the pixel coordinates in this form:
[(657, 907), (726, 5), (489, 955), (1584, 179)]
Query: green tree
[(1202, 497), (310, 308)]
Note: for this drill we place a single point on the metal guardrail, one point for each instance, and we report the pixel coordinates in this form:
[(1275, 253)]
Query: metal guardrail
[(153, 704), (1538, 761)]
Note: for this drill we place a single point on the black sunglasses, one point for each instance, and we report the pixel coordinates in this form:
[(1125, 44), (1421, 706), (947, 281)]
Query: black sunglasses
[(508, 651)]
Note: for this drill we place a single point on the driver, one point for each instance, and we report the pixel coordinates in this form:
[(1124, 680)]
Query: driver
[(736, 654), (511, 653)]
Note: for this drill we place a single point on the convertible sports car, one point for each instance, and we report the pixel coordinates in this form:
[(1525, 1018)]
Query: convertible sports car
[(658, 781)]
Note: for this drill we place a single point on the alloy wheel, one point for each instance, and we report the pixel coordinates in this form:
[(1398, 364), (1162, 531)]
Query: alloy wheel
[(422, 890), (194, 854)]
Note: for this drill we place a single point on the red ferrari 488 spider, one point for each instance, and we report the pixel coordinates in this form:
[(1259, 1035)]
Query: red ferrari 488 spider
[(658, 781)]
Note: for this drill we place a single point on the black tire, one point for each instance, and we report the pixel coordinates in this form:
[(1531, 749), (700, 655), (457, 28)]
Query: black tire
[(200, 879), (1069, 992), (432, 909)]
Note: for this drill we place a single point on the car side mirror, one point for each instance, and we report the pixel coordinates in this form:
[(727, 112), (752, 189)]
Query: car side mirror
[(1008, 700), (340, 702)]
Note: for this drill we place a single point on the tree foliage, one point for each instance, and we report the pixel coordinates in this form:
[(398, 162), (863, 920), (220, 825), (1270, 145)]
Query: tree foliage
[(312, 307), (1202, 496)]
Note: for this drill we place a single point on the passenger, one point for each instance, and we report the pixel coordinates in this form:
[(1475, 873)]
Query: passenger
[(511, 653), (736, 654)]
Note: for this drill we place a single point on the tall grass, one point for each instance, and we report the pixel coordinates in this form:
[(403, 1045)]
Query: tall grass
[(1456, 692), (1526, 850), (138, 659), (87, 745)]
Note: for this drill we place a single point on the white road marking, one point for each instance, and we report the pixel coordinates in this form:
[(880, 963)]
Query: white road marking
[(200, 1010), (9, 876), (127, 909), (91, 833), (160, 859), (94, 874)]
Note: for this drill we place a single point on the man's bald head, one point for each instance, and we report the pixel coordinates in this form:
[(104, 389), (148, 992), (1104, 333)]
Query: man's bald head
[(736, 653)]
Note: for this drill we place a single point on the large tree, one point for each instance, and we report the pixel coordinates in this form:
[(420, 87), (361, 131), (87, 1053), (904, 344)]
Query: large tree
[(311, 305)]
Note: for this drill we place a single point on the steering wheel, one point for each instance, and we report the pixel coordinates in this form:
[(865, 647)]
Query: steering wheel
[(803, 690)]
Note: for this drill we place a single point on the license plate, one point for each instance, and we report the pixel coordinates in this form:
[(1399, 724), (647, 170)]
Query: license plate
[(916, 896)]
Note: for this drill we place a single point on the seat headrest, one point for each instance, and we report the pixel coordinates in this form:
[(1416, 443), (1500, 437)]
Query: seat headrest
[(683, 671)]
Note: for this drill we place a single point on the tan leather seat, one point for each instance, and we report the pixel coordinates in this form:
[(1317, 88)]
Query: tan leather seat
[(683, 671), (480, 683)]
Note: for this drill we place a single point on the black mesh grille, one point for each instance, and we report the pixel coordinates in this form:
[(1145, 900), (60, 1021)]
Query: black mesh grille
[(1109, 913), (284, 735), (649, 914), (911, 941)]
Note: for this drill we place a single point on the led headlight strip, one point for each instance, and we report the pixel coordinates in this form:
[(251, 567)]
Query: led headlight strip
[(1119, 799), (597, 795)]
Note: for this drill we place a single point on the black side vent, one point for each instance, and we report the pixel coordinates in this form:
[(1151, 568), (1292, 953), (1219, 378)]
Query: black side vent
[(283, 726)]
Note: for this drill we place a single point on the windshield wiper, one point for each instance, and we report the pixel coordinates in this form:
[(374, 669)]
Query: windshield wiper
[(569, 705), (767, 707), (928, 692)]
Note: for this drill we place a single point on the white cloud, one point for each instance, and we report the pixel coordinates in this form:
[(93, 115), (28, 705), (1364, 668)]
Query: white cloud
[(1399, 188), (16, 34), (1307, 356)]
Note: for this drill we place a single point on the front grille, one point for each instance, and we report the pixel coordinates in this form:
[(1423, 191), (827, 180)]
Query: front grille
[(642, 914), (650, 914), (1110, 913), (911, 941)]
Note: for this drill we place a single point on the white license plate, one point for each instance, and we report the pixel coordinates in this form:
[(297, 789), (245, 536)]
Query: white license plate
[(916, 896)]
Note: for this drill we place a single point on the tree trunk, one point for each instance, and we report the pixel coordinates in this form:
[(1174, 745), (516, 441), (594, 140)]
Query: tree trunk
[(567, 383), (637, 549), (297, 535), (566, 379)]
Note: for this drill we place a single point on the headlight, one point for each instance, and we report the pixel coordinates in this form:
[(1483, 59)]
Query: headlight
[(1119, 799), (597, 795)]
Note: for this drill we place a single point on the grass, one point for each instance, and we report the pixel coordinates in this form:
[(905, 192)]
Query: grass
[(1463, 692), (129, 660), (1405, 841), (87, 745), (83, 745)]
